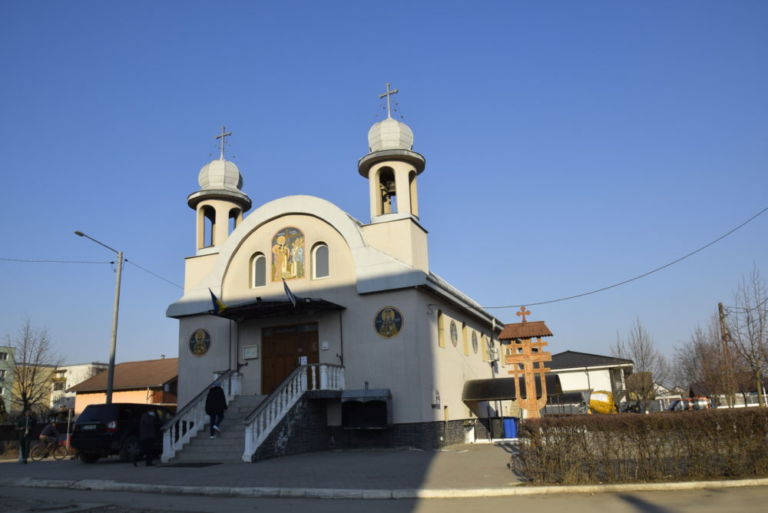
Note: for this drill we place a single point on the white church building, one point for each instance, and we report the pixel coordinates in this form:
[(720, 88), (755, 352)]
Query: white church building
[(324, 331)]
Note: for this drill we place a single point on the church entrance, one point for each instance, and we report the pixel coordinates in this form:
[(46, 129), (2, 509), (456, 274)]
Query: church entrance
[(285, 348)]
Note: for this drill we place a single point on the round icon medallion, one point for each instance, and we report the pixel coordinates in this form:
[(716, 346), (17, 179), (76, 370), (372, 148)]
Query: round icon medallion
[(199, 342), (388, 322)]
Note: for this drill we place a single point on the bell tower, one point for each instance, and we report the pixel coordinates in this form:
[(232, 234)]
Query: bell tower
[(219, 204), (391, 167)]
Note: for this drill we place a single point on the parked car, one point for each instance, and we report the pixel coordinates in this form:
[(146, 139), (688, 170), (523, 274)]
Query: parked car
[(106, 429), (686, 404)]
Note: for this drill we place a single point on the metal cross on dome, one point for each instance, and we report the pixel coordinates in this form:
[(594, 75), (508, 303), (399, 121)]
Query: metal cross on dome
[(388, 96), (523, 312), (221, 136)]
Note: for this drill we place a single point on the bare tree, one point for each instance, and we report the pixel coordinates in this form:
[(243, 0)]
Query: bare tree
[(748, 321), (707, 364), (650, 366), (34, 364)]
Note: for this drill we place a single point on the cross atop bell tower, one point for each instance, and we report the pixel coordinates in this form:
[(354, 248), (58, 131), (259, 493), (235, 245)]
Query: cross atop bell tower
[(221, 136), (388, 96)]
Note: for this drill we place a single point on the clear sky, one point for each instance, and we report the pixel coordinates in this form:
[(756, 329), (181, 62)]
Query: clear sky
[(569, 146)]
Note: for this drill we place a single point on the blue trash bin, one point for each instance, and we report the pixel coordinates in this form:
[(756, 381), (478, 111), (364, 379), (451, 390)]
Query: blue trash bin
[(510, 427)]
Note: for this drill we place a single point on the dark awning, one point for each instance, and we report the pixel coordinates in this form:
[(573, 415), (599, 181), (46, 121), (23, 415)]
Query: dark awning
[(260, 309), (503, 389), (379, 394)]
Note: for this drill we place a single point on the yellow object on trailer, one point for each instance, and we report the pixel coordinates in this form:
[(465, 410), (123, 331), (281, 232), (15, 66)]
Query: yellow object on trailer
[(601, 401)]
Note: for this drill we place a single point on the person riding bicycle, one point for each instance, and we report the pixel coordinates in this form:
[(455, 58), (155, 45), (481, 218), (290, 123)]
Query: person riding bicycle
[(50, 435)]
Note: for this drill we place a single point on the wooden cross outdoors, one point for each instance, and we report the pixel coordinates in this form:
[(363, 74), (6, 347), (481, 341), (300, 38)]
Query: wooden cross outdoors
[(523, 312), (388, 95), (221, 136)]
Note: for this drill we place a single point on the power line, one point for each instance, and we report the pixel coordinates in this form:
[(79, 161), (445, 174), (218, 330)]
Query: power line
[(657, 269), (153, 274), (49, 261), (35, 261)]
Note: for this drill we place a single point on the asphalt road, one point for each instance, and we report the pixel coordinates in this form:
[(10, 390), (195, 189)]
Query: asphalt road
[(733, 500)]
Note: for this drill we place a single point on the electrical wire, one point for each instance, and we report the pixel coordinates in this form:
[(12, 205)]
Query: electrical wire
[(153, 274), (35, 261), (655, 270)]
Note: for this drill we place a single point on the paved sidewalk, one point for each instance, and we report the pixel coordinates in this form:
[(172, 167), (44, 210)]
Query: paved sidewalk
[(459, 471)]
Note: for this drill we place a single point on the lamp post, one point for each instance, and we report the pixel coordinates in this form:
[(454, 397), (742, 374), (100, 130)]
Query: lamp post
[(116, 308)]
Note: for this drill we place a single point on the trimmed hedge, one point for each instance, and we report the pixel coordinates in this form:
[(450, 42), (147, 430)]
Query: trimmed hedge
[(588, 449)]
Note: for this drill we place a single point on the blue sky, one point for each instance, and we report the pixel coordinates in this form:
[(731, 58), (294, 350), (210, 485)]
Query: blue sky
[(569, 145)]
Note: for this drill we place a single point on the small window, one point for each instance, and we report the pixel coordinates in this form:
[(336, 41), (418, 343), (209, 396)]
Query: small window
[(58, 386), (258, 270), (3, 356), (320, 261), (2, 373)]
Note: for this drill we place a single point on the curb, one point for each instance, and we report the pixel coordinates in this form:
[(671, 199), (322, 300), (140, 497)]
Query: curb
[(344, 493)]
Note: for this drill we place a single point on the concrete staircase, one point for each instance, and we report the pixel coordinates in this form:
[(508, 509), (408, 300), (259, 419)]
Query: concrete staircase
[(229, 443)]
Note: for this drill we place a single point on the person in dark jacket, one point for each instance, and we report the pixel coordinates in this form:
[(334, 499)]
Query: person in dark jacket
[(25, 427), (215, 404), (149, 425)]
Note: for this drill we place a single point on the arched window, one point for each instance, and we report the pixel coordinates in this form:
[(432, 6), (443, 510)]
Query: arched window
[(258, 270), (234, 219), (209, 224), (440, 329), (387, 191), (320, 261)]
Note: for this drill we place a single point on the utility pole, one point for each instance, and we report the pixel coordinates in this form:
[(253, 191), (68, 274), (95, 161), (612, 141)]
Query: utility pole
[(725, 338)]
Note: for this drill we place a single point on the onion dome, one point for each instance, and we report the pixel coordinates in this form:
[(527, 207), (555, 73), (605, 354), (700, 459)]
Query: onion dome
[(220, 174), (390, 134)]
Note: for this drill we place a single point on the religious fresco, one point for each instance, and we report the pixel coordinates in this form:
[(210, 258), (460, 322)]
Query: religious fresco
[(288, 254), (388, 322), (199, 342)]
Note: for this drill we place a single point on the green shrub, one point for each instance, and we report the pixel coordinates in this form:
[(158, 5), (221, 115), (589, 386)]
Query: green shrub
[(709, 444)]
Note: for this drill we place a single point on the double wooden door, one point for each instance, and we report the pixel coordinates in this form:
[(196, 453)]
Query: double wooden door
[(285, 348)]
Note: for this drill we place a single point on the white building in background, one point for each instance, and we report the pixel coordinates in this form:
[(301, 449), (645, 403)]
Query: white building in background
[(366, 302), (67, 376), (583, 371)]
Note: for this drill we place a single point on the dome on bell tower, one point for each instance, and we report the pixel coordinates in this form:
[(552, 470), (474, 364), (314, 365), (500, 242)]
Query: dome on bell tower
[(220, 174), (390, 134)]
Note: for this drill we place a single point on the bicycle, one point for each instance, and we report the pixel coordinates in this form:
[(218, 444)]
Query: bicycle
[(53, 449)]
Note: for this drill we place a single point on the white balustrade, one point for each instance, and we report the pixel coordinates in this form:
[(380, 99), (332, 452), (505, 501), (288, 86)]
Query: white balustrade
[(190, 420), (260, 423)]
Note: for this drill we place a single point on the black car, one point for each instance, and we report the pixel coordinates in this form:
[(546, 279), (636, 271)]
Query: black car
[(106, 429)]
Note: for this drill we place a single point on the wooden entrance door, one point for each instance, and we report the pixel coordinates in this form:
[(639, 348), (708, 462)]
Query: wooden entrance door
[(284, 349)]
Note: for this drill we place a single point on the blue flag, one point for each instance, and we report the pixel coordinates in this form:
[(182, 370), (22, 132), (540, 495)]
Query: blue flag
[(291, 297), (218, 306)]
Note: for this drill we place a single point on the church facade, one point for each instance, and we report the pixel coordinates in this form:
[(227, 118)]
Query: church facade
[(298, 282)]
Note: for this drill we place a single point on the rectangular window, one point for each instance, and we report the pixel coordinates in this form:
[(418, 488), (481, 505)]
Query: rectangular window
[(3, 356), (440, 329), (59, 385), (2, 373)]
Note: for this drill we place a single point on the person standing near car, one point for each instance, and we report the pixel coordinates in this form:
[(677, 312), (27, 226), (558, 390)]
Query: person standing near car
[(215, 404), (25, 427), (148, 430)]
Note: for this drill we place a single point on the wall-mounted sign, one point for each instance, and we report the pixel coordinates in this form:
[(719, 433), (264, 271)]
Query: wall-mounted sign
[(250, 352), (388, 322), (199, 342)]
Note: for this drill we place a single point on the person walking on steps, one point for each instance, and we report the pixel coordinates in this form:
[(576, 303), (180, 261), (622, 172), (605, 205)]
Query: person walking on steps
[(215, 404)]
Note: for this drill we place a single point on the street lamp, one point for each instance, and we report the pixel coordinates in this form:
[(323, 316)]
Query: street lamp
[(111, 368)]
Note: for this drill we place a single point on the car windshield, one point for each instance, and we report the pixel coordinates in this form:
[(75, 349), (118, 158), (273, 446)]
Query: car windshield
[(97, 413)]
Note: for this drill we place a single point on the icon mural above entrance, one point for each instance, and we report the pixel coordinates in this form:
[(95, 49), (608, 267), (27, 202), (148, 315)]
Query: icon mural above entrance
[(199, 342), (288, 254), (388, 322)]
